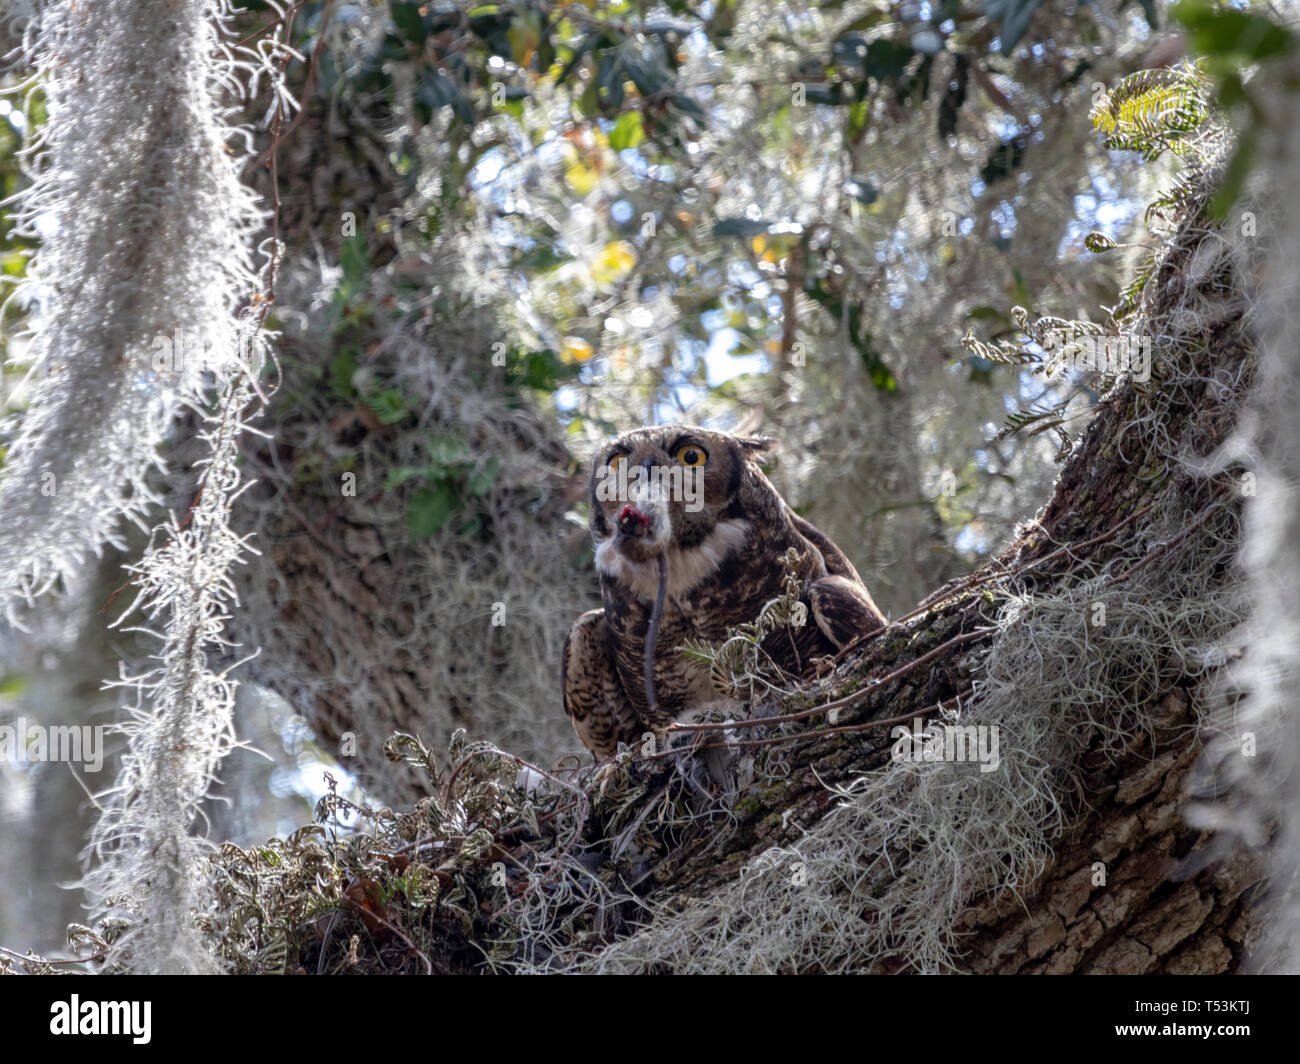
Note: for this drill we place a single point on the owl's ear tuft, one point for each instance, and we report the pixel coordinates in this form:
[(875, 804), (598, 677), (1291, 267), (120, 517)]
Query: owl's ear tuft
[(758, 445)]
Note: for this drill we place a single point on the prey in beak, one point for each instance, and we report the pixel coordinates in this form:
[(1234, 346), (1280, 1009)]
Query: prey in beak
[(643, 529), (632, 522)]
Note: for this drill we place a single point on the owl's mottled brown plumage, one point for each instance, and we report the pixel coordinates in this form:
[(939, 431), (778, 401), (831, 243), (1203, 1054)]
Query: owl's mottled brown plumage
[(724, 562)]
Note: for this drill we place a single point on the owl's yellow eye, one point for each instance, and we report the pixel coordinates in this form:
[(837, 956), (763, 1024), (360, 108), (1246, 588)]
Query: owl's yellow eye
[(691, 455), (615, 460)]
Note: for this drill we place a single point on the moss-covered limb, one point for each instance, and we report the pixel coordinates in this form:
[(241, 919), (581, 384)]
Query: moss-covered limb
[(1133, 887)]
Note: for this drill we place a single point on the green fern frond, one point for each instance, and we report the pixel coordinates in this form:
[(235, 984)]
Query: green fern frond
[(1036, 420), (1154, 111), (1001, 352)]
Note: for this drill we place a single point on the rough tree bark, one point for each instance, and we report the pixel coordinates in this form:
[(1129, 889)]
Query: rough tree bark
[(339, 586)]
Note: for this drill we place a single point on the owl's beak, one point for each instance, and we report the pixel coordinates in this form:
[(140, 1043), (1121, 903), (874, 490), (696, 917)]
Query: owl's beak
[(632, 522), (644, 526)]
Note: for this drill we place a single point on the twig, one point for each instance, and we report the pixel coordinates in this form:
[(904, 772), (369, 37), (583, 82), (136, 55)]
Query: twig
[(312, 67), (839, 703), (986, 576), (1167, 546), (816, 734), (41, 960), (428, 964), (272, 24)]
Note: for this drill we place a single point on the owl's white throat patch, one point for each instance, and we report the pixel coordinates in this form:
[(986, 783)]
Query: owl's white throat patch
[(654, 505), (687, 568)]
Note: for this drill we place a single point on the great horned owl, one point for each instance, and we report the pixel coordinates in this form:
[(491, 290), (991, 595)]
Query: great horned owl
[(698, 500)]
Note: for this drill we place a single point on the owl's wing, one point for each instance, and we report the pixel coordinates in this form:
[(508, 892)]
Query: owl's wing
[(837, 562), (843, 609), (593, 697)]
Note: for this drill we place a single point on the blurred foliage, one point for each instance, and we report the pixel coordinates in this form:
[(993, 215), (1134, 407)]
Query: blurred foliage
[(713, 210), (582, 139), (485, 73), (1232, 42)]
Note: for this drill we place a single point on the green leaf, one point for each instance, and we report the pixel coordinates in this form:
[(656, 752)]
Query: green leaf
[(1234, 177), (1015, 15), (541, 258), (408, 20), (628, 131), (823, 94), (1037, 419), (685, 105), (881, 375), (354, 258), (401, 474), (389, 406), (1004, 160), (13, 685), (430, 509), (868, 21), (436, 89), (481, 482), (886, 59), (850, 50), (859, 112), (342, 366), (609, 80), (492, 27), (1153, 111), (647, 74), (540, 370), (447, 453), (1098, 242), (574, 60), (1238, 35)]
